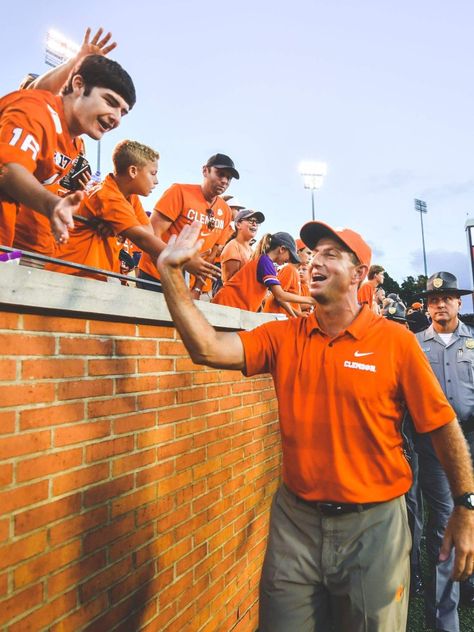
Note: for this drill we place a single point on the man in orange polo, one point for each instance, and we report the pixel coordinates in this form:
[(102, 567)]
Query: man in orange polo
[(339, 542)]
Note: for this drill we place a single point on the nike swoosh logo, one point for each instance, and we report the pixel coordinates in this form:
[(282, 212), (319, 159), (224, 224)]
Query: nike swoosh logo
[(359, 354)]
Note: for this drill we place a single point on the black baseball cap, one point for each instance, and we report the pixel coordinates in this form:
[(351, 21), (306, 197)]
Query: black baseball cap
[(221, 161), (285, 239)]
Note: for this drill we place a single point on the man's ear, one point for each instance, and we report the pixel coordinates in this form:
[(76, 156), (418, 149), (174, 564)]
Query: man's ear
[(77, 83), (205, 171), (132, 171), (360, 272)]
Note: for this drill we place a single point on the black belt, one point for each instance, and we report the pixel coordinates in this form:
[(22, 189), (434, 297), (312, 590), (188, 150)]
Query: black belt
[(337, 509), (468, 425)]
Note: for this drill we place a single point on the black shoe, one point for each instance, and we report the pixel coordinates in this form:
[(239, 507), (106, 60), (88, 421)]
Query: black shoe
[(416, 585), (466, 594)]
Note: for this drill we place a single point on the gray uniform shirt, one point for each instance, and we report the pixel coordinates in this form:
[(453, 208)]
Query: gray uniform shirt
[(453, 365)]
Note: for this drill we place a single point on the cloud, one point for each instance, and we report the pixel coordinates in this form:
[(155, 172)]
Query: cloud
[(444, 260), (392, 180), (376, 252), (449, 190)]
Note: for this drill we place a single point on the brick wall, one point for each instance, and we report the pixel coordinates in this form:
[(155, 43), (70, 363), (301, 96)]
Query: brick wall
[(134, 485)]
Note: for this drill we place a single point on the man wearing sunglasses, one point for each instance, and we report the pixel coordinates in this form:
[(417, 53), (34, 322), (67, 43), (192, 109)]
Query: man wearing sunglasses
[(182, 204)]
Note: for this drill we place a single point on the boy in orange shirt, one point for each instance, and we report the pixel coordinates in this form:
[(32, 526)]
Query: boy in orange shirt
[(116, 202), (40, 144)]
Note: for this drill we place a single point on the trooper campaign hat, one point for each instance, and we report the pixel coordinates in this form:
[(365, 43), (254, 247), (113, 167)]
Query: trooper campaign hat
[(443, 283)]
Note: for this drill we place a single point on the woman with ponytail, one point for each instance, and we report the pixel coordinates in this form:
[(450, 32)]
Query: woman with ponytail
[(238, 251), (247, 288)]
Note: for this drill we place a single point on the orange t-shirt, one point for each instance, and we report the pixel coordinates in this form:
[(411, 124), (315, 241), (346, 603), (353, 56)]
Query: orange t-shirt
[(233, 251), (105, 202), (290, 282), (341, 403), (182, 204), (34, 134), (247, 288), (366, 294), (8, 213)]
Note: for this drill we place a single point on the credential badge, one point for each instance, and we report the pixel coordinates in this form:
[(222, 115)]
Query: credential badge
[(438, 282), (470, 343), (392, 310)]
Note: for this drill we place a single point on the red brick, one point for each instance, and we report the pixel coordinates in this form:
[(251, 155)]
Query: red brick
[(136, 384), (4, 529), (173, 348), (174, 448), (174, 414), (52, 368), (33, 322), (175, 380), (10, 320), (3, 584), (13, 499), (114, 406), (189, 459), (51, 415), (186, 364), (45, 514), (109, 328), (156, 331), (7, 370), (192, 427), (6, 474), (19, 602), (14, 552), (23, 394), (104, 491), (21, 344), (107, 449), (155, 365), (154, 473), (41, 466), (49, 612), (137, 498), (133, 462), (45, 564), (112, 366), (135, 347), (206, 407), (104, 579), (171, 484), (188, 395), (81, 616), (7, 423), (79, 433), (77, 389), (156, 400), (128, 585), (77, 525), (131, 423), (107, 533), (155, 437), (75, 573), (131, 542), (80, 478)]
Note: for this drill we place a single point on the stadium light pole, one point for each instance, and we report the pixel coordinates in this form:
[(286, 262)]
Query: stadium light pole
[(421, 208), (60, 49), (313, 175)]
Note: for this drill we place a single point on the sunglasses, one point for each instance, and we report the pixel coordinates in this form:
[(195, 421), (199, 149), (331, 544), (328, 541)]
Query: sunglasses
[(252, 220), (211, 220)]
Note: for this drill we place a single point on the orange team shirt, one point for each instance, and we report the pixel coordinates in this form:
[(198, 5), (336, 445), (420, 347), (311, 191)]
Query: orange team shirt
[(233, 251), (8, 213), (247, 288), (366, 294), (105, 202), (34, 133), (182, 204), (341, 403), (290, 282)]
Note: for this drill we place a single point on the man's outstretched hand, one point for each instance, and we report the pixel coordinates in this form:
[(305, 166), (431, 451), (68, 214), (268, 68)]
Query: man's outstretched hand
[(98, 45), (181, 249), (460, 534)]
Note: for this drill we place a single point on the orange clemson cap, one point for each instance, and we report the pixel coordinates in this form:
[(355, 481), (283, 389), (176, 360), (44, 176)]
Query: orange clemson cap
[(312, 232)]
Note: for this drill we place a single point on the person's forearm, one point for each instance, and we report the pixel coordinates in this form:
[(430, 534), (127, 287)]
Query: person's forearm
[(294, 298), (149, 243), (54, 79), (453, 452), (24, 188), (199, 337)]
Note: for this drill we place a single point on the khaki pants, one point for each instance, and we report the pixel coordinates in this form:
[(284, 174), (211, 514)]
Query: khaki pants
[(348, 573)]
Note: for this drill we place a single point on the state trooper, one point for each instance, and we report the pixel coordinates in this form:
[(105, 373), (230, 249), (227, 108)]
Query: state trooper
[(449, 347)]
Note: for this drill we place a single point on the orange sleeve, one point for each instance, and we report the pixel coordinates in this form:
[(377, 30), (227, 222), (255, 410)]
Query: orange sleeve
[(171, 203), (117, 210), (288, 277), (365, 294), (261, 346), (421, 390), (24, 128), (231, 251)]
